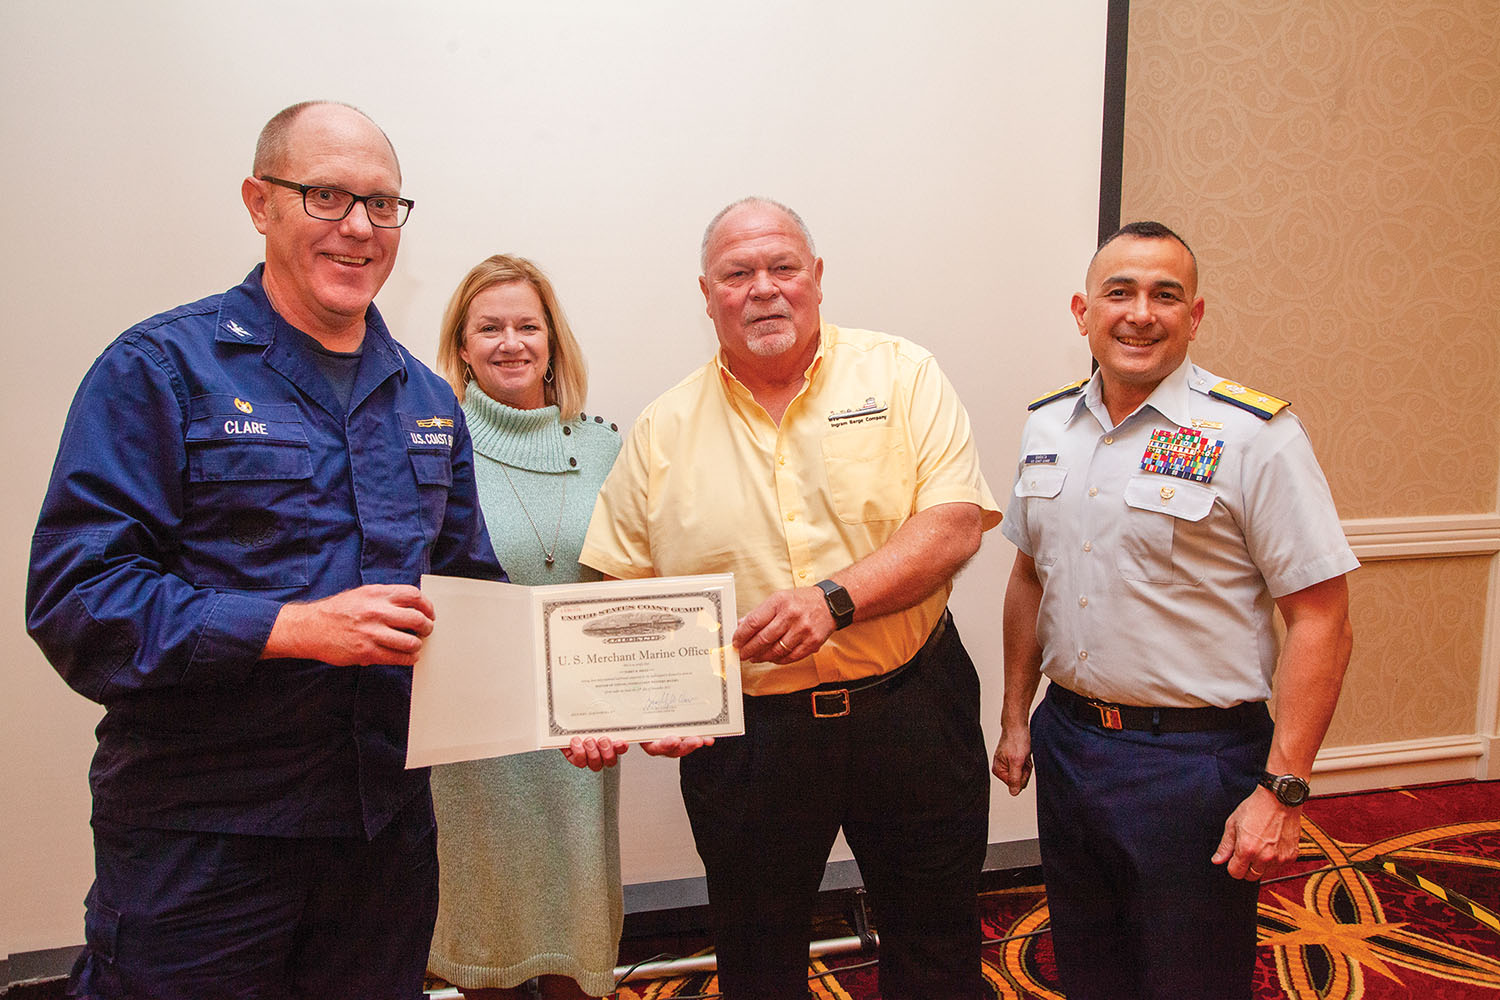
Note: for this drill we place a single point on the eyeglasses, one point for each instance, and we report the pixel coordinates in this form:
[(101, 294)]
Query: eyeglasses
[(334, 204)]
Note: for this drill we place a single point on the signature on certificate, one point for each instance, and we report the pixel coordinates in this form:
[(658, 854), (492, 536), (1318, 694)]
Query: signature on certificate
[(666, 701)]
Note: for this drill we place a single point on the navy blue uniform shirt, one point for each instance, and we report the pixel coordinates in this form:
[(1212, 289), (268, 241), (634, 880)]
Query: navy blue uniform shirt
[(207, 474)]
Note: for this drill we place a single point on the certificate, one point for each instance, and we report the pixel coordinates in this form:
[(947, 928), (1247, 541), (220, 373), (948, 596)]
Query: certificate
[(510, 669)]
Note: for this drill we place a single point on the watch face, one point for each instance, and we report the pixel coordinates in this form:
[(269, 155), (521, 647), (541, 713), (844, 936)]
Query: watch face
[(840, 604), (1290, 789)]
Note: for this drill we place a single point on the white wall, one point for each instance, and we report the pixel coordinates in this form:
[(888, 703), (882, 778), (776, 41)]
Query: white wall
[(945, 154)]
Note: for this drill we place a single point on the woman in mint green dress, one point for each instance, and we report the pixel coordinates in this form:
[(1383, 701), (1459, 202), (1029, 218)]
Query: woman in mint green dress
[(528, 845)]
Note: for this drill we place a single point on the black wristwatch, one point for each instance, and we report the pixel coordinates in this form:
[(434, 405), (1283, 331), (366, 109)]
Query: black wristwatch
[(840, 604), (1289, 789)]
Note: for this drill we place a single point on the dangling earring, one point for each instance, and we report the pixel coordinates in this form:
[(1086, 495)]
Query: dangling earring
[(548, 376), (468, 373)]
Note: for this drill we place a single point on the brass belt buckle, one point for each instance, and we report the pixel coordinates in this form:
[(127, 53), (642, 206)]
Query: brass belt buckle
[(841, 703), (1109, 716)]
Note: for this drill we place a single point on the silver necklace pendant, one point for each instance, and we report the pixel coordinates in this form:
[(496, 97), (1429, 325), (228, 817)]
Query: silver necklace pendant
[(556, 530)]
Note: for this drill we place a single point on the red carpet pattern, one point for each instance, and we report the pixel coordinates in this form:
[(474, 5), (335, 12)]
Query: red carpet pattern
[(1396, 895)]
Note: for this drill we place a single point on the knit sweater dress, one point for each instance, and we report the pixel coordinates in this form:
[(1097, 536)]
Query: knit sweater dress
[(529, 845)]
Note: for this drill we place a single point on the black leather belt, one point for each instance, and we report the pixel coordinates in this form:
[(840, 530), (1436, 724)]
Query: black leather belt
[(1108, 715), (835, 699)]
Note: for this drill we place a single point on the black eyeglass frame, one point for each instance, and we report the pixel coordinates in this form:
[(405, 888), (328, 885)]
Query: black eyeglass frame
[(354, 199)]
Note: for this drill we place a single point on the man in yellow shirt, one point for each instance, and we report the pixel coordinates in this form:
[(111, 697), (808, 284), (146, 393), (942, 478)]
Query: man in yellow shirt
[(833, 472)]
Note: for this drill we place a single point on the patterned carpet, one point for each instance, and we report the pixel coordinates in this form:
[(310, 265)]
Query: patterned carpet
[(1395, 896)]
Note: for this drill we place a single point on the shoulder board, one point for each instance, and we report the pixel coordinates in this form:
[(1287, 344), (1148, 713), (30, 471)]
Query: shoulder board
[(1256, 402), (1071, 389)]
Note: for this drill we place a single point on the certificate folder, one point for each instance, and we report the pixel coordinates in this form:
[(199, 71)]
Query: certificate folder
[(511, 669)]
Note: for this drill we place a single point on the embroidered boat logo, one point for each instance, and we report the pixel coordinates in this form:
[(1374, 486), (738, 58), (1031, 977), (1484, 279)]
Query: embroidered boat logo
[(868, 410)]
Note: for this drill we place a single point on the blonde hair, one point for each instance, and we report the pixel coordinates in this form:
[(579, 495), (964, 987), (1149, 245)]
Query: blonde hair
[(570, 382)]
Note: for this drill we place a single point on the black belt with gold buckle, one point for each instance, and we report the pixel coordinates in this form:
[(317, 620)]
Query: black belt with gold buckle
[(832, 700), (833, 703)]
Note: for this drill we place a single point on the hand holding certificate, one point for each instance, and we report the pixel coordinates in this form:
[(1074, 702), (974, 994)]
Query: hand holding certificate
[(511, 669)]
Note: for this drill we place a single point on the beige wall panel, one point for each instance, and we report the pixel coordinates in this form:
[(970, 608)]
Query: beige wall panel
[(1335, 164), (1418, 630)]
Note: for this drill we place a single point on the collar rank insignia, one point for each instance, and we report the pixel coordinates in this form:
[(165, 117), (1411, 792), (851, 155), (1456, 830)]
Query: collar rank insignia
[(1254, 401), (1071, 389), (1184, 453)]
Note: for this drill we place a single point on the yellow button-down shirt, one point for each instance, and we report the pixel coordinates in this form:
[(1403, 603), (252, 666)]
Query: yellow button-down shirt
[(707, 482)]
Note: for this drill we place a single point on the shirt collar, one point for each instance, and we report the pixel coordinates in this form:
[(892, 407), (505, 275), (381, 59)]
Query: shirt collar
[(827, 334), (1170, 398), (247, 317)]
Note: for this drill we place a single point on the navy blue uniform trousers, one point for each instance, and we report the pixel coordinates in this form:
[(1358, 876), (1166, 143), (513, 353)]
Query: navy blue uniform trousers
[(181, 915), (906, 776), (1127, 823)]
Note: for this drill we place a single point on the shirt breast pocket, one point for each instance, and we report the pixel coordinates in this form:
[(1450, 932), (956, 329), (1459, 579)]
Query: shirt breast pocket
[(1161, 511), (246, 505), (870, 475), (1041, 487), (429, 451), (434, 473)]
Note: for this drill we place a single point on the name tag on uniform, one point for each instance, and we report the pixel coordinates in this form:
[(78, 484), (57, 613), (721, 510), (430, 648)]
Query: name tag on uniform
[(1044, 459)]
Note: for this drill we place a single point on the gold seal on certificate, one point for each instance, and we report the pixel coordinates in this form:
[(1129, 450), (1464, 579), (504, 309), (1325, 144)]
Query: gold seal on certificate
[(511, 669)]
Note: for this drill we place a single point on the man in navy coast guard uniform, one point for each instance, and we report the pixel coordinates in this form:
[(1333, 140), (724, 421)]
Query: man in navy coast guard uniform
[(1162, 514), (247, 492)]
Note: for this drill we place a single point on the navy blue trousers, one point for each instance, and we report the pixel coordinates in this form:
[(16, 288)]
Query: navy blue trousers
[(180, 915), (905, 775), (1127, 822)]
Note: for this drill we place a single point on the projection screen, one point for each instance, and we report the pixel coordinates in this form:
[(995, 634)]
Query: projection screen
[(946, 155)]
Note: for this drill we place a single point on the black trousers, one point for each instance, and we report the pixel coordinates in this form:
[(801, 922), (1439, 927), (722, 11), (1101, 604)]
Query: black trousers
[(905, 775), (1127, 823)]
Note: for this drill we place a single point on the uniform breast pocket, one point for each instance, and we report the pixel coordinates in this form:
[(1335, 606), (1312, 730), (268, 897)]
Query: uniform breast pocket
[(246, 504), (1041, 487), (1161, 515), (434, 474), (429, 451), (870, 474)]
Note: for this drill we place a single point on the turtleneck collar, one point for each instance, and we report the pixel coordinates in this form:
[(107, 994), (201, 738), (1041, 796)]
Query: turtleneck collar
[(523, 439)]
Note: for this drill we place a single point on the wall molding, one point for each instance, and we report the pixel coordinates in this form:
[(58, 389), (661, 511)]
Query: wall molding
[(1487, 711), (1400, 762), (1429, 537), (1436, 536)]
